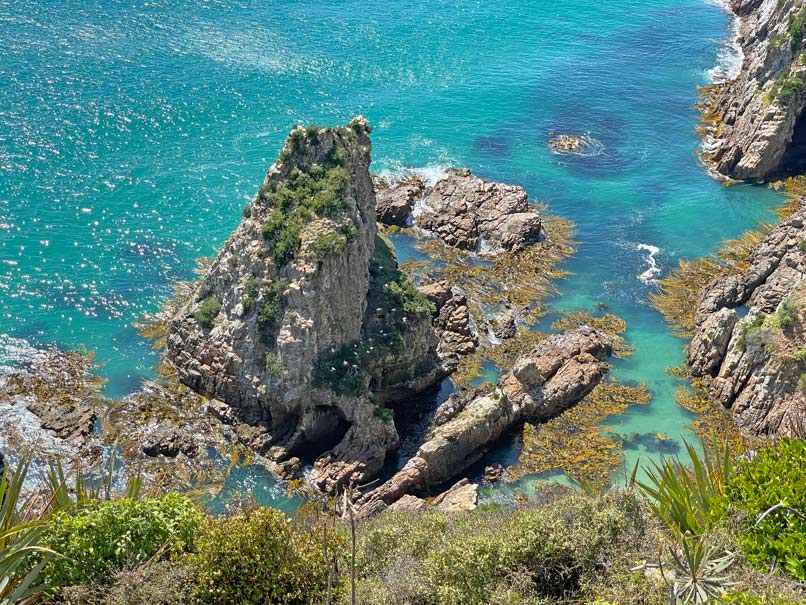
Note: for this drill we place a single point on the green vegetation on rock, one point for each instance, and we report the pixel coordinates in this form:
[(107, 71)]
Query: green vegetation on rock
[(207, 312), (304, 196)]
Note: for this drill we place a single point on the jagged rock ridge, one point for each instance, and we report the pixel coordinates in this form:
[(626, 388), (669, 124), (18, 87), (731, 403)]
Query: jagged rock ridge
[(754, 121), (304, 312), (749, 350)]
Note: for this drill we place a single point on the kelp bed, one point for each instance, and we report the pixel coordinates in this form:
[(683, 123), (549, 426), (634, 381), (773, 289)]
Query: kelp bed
[(574, 443), (678, 297), (516, 283)]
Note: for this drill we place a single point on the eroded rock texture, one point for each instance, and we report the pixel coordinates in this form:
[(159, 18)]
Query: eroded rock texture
[(755, 364), (298, 340), (561, 371), (755, 124), (463, 210)]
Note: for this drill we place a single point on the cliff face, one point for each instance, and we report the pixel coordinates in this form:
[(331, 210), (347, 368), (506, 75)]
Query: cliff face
[(749, 350), (296, 319), (754, 122)]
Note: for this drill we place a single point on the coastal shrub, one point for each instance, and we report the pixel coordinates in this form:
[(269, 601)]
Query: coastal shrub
[(207, 312), (802, 383), (274, 365), (329, 244), (248, 302), (769, 491), (384, 413), (799, 356), (104, 537), (246, 212), (407, 297), (747, 329), (272, 309), (787, 314), (778, 40), (304, 195), (258, 556), (786, 89), (528, 554), (797, 30), (157, 583), (802, 245)]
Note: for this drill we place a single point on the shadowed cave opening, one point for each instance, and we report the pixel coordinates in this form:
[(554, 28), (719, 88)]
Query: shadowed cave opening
[(794, 160), (325, 433)]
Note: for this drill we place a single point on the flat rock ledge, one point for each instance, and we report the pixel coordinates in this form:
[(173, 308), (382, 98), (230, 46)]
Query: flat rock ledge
[(463, 210), (751, 364), (560, 371)]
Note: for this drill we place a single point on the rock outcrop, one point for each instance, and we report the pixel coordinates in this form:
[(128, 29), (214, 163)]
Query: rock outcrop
[(463, 210), (754, 121), (304, 314), (561, 371), (749, 350)]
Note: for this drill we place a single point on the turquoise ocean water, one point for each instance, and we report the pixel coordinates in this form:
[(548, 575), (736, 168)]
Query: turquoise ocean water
[(132, 134)]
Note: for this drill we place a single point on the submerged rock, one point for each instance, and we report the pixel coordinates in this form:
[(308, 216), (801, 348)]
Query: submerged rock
[(465, 211), (754, 365), (561, 371), (568, 143)]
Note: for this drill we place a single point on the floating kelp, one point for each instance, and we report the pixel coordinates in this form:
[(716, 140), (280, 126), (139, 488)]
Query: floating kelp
[(166, 432), (574, 442), (608, 323), (64, 378), (516, 282), (712, 420)]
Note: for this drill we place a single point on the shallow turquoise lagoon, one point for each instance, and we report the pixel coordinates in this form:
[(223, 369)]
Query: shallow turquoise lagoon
[(132, 133)]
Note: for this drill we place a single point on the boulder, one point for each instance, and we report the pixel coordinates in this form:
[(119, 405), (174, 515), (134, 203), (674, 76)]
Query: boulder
[(461, 498)]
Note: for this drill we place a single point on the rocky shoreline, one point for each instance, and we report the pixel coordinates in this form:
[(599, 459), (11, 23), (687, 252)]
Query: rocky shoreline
[(752, 123), (303, 335)]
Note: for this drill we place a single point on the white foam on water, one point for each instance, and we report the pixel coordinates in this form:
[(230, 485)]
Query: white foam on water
[(429, 174), (650, 275), (729, 57)]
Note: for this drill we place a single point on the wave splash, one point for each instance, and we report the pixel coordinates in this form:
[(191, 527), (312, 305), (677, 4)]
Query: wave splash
[(650, 275)]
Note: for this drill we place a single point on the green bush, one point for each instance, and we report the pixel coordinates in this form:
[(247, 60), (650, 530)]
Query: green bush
[(802, 383), (797, 30), (258, 557), (786, 89), (799, 356), (773, 483), (406, 295), (273, 306), (746, 330), (207, 312), (109, 536), (474, 559), (329, 244), (802, 245), (274, 365), (304, 196), (787, 314)]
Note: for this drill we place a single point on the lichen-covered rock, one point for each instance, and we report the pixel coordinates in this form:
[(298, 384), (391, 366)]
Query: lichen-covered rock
[(561, 371), (753, 120), (303, 313), (755, 366)]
